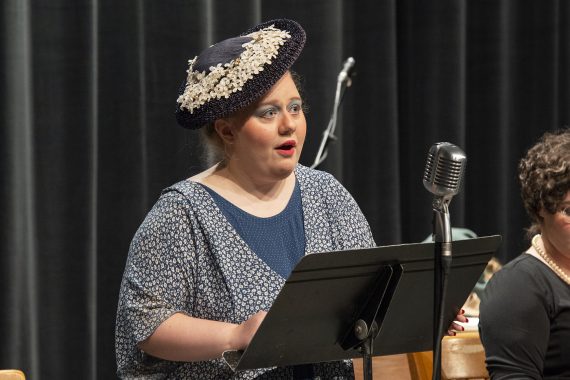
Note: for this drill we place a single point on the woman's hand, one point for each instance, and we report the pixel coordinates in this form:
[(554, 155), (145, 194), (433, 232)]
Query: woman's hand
[(189, 339), (244, 332), (457, 327)]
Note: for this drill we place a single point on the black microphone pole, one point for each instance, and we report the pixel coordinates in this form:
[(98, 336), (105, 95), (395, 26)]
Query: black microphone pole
[(442, 265), (343, 82)]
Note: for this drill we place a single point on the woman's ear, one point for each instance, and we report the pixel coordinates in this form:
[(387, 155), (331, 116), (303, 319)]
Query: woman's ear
[(225, 130), (541, 214)]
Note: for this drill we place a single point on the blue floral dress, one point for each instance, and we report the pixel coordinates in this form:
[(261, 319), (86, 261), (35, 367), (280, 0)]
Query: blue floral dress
[(186, 257)]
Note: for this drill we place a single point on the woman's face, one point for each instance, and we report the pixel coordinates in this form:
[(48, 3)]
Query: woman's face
[(556, 226), (268, 136)]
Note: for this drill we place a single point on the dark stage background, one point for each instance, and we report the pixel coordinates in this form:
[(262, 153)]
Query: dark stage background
[(88, 137)]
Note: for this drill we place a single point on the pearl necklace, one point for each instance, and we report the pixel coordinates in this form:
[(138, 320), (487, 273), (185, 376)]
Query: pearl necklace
[(549, 260)]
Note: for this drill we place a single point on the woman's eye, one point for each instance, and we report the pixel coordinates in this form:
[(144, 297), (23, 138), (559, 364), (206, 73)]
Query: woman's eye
[(566, 211), (295, 108), (269, 113)]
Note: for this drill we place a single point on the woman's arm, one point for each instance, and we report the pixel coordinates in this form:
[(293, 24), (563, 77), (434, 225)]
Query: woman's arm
[(157, 293), (185, 338), (514, 323)]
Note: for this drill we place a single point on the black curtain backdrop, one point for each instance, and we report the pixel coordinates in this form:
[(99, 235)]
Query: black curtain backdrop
[(88, 136)]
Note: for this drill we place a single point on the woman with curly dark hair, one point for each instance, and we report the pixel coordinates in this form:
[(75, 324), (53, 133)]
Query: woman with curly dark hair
[(525, 311)]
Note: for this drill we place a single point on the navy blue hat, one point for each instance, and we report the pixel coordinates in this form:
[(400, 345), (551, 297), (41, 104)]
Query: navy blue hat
[(234, 73)]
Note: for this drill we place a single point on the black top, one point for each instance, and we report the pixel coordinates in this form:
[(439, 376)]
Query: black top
[(525, 322)]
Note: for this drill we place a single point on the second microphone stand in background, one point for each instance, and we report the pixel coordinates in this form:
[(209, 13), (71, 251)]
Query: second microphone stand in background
[(343, 81)]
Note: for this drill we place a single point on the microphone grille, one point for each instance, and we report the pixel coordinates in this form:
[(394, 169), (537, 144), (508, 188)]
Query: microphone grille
[(444, 169)]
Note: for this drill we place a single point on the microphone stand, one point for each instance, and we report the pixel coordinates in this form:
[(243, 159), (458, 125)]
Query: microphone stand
[(328, 133), (442, 256)]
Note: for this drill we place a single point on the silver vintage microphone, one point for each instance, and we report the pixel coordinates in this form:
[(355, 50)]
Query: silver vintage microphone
[(443, 176)]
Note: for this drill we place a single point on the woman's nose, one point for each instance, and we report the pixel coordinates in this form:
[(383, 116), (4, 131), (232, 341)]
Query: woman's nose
[(287, 124)]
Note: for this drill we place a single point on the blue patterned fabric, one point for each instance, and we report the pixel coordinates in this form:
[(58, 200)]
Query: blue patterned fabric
[(278, 240), (186, 257)]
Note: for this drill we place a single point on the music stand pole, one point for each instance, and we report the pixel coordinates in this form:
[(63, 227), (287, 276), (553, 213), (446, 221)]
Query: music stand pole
[(372, 312), (367, 349)]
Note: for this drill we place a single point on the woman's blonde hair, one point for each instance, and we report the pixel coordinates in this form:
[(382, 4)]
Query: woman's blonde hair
[(213, 146)]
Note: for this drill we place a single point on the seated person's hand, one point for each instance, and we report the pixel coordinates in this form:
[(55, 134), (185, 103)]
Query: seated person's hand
[(455, 326)]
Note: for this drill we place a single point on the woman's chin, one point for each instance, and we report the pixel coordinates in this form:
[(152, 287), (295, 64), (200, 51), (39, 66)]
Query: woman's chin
[(283, 171)]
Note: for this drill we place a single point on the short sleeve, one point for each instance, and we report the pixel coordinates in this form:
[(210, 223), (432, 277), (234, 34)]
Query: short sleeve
[(351, 230), (157, 281), (514, 322)]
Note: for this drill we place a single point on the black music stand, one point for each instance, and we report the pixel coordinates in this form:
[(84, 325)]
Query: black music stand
[(314, 317)]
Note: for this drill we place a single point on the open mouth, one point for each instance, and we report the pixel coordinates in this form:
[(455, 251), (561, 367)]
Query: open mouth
[(287, 148)]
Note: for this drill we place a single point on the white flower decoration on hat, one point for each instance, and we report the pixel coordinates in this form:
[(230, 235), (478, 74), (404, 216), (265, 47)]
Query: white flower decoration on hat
[(226, 79)]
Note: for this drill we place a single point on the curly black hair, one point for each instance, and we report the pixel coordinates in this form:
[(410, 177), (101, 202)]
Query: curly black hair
[(544, 174)]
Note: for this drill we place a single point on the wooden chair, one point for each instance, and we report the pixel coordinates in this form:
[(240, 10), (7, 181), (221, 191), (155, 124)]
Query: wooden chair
[(421, 365), (385, 367), (12, 374), (463, 357)]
